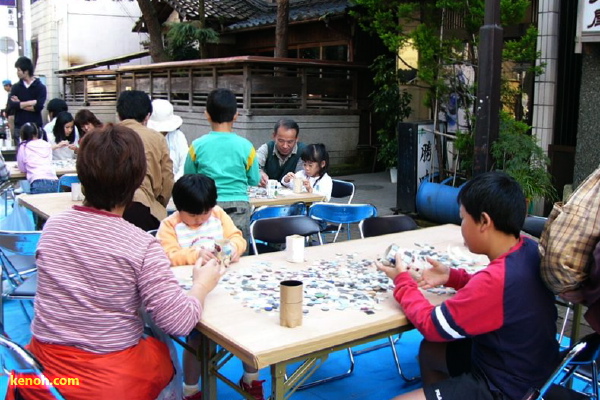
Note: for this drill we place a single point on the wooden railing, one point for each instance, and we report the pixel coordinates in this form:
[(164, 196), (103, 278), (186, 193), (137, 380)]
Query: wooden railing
[(262, 85)]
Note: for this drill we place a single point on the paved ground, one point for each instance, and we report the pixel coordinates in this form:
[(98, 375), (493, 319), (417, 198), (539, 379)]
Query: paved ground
[(375, 188)]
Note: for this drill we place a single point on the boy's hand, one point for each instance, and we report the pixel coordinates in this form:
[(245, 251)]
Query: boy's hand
[(392, 271), (435, 276), (235, 256), (205, 256), (207, 276)]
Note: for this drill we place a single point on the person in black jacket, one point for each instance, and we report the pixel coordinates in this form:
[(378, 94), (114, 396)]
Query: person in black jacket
[(27, 97)]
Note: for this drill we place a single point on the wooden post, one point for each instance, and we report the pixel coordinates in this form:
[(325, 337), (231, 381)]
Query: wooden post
[(487, 107)]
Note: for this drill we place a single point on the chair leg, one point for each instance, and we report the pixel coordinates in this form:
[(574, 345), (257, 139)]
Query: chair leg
[(397, 361)]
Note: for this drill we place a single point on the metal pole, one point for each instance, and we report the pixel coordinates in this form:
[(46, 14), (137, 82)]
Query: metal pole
[(20, 36), (488, 87)]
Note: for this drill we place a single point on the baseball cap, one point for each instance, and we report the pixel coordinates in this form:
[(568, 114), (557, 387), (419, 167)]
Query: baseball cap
[(6, 82)]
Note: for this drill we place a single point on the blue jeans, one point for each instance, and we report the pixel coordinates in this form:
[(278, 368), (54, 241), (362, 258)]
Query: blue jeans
[(44, 186)]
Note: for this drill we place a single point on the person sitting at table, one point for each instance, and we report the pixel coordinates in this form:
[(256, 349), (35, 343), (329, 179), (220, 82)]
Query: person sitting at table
[(55, 107), (191, 234), (315, 178), (282, 154), (166, 122), (150, 200), (96, 272), (34, 158), (63, 138), (496, 337), (226, 157), (85, 121)]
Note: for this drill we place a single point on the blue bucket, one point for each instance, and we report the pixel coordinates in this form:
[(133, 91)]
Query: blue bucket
[(437, 202)]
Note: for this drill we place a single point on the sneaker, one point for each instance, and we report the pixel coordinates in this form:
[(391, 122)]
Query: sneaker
[(255, 390), (195, 396)]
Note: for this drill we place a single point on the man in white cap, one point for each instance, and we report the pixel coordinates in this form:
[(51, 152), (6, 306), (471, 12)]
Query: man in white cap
[(166, 122)]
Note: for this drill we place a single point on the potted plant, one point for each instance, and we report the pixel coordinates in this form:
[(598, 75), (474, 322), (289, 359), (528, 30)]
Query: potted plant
[(517, 153), (390, 106)]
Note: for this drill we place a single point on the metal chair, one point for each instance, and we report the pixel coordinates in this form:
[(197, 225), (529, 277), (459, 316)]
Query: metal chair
[(18, 264), (287, 210), (376, 226), (22, 361), (584, 353), (66, 181), (7, 191), (275, 230), (341, 189), (534, 225), (333, 213)]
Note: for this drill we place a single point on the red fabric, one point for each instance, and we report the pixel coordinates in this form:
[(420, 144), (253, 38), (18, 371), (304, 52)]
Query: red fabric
[(140, 372)]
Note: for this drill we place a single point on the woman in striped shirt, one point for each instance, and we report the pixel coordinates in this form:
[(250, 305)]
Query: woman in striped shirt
[(96, 271)]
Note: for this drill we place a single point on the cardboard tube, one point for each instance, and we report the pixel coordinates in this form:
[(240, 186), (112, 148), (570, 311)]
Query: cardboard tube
[(290, 308)]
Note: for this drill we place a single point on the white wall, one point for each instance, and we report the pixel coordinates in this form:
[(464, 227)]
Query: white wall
[(8, 29), (74, 32)]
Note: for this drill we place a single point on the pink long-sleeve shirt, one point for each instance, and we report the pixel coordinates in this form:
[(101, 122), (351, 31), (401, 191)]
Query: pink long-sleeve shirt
[(35, 159), (95, 271)]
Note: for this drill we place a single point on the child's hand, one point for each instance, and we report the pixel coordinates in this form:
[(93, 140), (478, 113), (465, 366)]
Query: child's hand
[(205, 255), (307, 186), (235, 256), (288, 177), (392, 271), (435, 276)]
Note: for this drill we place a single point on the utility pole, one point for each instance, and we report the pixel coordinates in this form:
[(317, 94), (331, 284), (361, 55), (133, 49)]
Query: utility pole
[(487, 107), (20, 35)]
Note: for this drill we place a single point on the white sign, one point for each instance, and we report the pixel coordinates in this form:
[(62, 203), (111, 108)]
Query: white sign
[(427, 157), (590, 18)]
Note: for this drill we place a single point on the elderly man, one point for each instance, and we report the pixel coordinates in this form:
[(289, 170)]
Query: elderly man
[(150, 200), (282, 154)]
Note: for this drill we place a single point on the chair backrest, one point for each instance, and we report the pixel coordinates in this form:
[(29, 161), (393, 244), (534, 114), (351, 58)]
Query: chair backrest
[(341, 189), (534, 225), (376, 226), (26, 363), (67, 180), (298, 208), (275, 230), (20, 242), (342, 213), (584, 352)]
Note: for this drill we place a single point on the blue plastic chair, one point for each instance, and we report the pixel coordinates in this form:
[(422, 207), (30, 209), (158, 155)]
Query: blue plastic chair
[(287, 210), (17, 358), (18, 264), (67, 180), (333, 213)]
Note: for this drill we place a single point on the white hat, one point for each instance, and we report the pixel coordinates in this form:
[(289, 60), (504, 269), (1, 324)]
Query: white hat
[(162, 118)]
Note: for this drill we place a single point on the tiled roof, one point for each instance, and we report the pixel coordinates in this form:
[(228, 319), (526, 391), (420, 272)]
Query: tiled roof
[(240, 14), (299, 11)]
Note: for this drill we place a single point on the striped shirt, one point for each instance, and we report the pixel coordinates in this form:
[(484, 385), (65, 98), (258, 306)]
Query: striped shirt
[(95, 271)]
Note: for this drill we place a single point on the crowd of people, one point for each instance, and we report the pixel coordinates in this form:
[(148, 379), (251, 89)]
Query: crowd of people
[(494, 339)]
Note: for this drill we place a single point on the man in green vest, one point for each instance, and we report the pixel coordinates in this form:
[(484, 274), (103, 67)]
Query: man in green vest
[(282, 154)]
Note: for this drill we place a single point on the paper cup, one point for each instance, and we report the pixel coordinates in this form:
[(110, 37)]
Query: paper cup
[(298, 184), (76, 194), (294, 248), (272, 188), (290, 308)]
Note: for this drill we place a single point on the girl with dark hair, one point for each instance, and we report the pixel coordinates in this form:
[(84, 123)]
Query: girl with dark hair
[(314, 175), (85, 121), (64, 138), (34, 157)]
